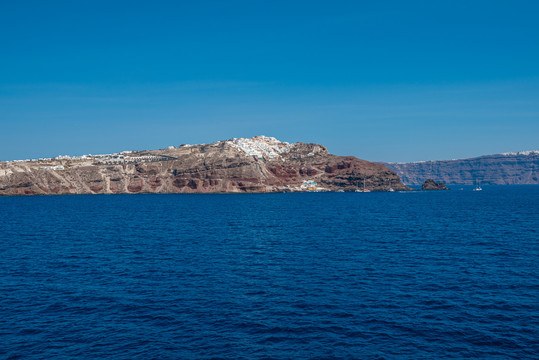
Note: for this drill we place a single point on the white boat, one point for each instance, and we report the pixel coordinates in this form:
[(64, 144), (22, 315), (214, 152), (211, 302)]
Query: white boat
[(477, 186), (363, 191), (364, 188)]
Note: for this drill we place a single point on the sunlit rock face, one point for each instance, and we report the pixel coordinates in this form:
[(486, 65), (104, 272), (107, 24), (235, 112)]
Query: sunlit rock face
[(501, 169), (258, 164)]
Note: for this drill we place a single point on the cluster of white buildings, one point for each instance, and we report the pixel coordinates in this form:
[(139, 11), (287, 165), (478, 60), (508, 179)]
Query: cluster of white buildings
[(261, 146), (62, 157), (55, 167), (122, 159), (309, 185), (525, 153)]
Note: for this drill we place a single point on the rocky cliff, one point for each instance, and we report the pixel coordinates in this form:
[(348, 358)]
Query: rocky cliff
[(259, 164), (501, 169), (433, 185)]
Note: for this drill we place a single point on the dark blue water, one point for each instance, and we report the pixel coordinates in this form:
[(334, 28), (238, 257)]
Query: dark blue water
[(421, 275)]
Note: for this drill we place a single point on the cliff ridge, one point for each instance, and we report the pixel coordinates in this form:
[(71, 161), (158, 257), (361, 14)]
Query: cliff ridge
[(515, 168)]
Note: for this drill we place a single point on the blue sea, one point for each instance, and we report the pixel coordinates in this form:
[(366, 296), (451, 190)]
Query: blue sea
[(416, 275)]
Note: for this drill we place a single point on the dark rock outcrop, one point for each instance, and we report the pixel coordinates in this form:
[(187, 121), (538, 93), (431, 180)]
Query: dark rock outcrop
[(430, 184), (502, 169), (222, 167)]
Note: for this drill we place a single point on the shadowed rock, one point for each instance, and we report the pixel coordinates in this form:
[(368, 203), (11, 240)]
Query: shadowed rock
[(433, 185)]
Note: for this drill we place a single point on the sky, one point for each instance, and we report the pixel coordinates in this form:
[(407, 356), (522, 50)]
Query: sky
[(381, 80)]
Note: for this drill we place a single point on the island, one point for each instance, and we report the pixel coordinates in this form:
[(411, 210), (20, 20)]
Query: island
[(246, 165)]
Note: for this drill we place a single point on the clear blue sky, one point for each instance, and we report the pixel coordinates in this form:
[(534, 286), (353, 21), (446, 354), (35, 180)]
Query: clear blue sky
[(381, 80)]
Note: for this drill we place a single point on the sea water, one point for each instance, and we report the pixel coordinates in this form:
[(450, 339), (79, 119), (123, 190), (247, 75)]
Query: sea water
[(417, 275)]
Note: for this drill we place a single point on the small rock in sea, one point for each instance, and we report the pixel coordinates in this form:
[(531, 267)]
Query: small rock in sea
[(433, 185)]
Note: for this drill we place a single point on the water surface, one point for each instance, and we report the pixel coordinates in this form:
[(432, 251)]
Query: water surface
[(418, 275)]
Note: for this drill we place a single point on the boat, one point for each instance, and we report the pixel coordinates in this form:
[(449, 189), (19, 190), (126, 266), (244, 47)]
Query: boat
[(364, 188), (477, 187)]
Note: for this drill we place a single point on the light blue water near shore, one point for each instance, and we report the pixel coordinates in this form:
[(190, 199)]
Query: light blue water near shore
[(420, 275)]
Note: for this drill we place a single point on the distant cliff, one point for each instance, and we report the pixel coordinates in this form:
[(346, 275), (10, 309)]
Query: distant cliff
[(259, 164), (500, 169)]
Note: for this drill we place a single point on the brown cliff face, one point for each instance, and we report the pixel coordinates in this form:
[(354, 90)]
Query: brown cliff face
[(221, 167), (501, 169)]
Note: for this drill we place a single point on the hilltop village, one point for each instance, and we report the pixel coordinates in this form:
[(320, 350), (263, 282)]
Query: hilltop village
[(125, 157)]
